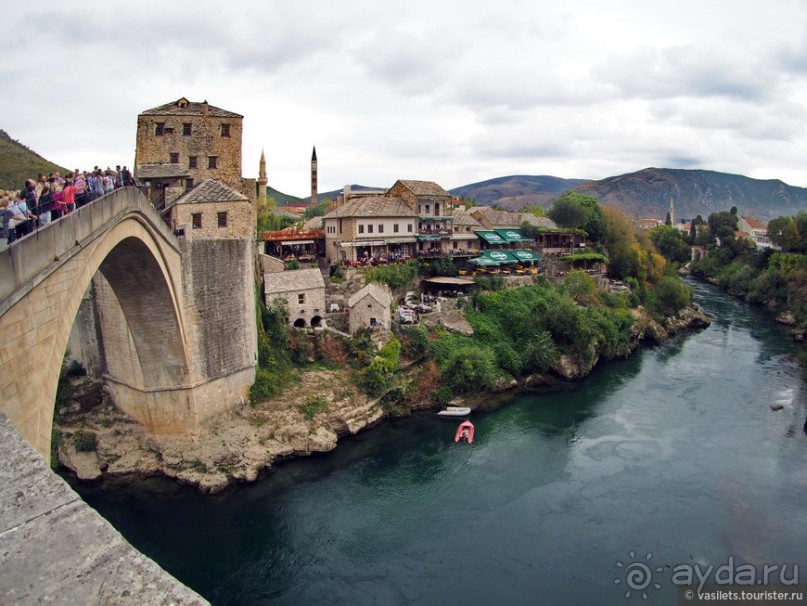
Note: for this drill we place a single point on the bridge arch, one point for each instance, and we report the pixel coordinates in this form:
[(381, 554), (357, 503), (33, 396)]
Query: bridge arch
[(135, 259)]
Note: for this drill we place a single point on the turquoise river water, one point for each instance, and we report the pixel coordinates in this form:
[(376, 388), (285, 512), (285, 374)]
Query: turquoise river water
[(651, 469)]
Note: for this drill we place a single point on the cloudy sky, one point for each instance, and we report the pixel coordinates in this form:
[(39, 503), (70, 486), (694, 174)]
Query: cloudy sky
[(453, 91)]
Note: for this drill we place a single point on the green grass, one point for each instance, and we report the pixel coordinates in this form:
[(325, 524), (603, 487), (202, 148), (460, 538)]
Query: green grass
[(18, 163)]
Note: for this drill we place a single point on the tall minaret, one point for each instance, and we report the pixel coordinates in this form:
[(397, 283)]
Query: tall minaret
[(672, 212), (314, 200), (262, 180)]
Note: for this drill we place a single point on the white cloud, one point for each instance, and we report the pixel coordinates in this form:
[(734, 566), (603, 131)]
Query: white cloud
[(453, 91)]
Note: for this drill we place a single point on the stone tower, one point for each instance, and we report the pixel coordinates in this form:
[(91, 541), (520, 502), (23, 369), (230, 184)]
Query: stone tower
[(197, 139), (314, 200), (262, 180)]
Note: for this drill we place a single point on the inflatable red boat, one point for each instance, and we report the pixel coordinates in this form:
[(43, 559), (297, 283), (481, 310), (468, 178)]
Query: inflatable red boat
[(465, 432)]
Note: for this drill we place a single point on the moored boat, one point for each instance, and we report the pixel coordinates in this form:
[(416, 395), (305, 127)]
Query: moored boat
[(455, 411)]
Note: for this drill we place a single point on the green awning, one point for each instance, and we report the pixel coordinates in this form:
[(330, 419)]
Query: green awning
[(525, 255), (500, 256), (491, 237), (513, 235), (484, 262), (428, 237)]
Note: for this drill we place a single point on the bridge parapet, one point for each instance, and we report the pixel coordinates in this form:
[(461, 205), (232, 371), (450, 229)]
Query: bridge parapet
[(28, 261)]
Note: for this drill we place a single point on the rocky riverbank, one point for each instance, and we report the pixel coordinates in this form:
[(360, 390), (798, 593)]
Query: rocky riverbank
[(310, 417)]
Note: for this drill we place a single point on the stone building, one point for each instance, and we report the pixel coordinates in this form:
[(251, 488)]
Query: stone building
[(303, 293), (370, 307), (370, 226), (198, 140), (434, 207)]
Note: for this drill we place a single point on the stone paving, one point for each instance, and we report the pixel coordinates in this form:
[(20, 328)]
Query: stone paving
[(55, 549)]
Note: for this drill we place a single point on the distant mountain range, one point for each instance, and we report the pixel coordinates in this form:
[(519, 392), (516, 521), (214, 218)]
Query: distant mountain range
[(643, 194), (648, 193), (511, 193)]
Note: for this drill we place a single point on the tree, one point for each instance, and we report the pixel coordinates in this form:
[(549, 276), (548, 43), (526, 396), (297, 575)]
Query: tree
[(671, 243), (578, 211), (668, 219)]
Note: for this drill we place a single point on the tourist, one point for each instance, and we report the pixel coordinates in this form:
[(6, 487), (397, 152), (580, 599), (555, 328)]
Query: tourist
[(24, 224), (69, 195), (81, 189), (43, 209), (109, 184)]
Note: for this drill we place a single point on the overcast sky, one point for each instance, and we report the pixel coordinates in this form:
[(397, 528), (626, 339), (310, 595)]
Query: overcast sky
[(452, 91)]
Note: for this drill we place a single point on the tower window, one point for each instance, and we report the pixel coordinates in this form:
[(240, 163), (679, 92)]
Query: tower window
[(196, 220), (225, 130), (212, 161), (159, 129), (222, 219), (174, 158), (186, 129)]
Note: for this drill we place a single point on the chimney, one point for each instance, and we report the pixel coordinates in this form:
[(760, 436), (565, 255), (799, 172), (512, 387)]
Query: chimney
[(204, 108)]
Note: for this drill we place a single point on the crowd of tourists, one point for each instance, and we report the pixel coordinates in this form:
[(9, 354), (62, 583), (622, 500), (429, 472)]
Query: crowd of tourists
[(50, 197)]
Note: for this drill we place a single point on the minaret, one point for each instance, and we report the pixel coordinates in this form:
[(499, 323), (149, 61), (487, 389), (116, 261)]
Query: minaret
[(314, 200), (262, 181), (672, 212)]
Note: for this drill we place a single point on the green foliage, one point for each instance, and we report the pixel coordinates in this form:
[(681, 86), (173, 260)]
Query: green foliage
[(319, 210), (274, 370), (671, 242), (396, 275), (490, 283), (469, 369), (580, 211), (293, 264), (669, 296), (85, 441), (443, 266), (579, 284), (414, 340), (313, 406)]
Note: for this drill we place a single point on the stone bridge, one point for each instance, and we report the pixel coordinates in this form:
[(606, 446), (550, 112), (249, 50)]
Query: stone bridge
[(120, 250)]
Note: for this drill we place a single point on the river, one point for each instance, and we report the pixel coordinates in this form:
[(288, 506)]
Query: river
[(659, 465)]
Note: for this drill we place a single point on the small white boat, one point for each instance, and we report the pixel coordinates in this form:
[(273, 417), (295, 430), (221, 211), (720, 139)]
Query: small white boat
[(455, 411)]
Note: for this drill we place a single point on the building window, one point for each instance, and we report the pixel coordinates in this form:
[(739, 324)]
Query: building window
[(409, 228), (369, 229), (174, 158), (427, 209), (196, 220), (188, 184), (225, 130), (192, 162), (159, 129), (222, 219), (212, 161), (301, 298), (380, 229), (186, 129), (361, 229), (395, 228)]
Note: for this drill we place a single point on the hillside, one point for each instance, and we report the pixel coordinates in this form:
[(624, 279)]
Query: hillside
[(18, 163), (647, 194), (515, 191)]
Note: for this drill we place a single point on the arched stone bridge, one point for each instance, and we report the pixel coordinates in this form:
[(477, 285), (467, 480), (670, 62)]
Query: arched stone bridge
[(121, 246)]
